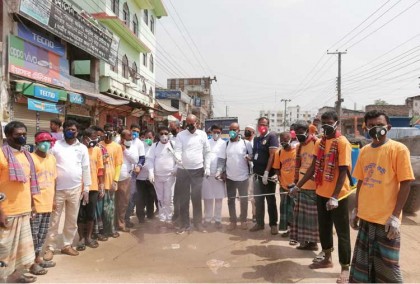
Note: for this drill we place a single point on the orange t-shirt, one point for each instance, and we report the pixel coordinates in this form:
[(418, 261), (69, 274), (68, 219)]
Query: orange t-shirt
[(381, 169), (312, 130), (96, 163), (46, 173), (18, 194), (115, 158), (326, 189), (307, 156), (285, 162)]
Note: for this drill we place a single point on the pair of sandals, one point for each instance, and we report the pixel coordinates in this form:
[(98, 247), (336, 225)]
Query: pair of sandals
[(82, 245), (39, 269)]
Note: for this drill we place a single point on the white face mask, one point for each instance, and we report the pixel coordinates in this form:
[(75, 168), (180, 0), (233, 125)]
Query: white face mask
[(216, 136), (164, 139), (127, 143)]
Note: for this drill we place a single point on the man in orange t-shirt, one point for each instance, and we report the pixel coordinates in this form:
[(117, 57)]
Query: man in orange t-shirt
[(284, 164), (86, 218), (384, 172), (313, 128), (304, 227), (46, 171), (331, 162)]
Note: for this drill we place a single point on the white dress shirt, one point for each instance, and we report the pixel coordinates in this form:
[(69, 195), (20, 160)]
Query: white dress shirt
[(130, 158), (160, 159), (237, 168), (193, 150)]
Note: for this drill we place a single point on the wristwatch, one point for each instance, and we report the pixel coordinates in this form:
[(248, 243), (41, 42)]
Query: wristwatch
[(2, 196)]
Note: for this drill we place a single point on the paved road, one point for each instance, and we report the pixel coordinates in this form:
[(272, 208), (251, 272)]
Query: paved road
[(154, 254)]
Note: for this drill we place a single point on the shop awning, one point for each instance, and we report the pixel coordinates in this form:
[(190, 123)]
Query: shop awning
[(104, 98), (167, 108)]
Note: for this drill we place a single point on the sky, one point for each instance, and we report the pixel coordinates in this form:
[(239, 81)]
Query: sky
[(262, 51)]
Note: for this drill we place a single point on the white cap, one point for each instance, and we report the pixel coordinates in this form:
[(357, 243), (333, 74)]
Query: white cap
[(250, 126)]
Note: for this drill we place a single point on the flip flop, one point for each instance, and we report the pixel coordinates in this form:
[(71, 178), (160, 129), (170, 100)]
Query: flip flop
[(293, 242), (115, 235), (319, 257), (92, 244), (36, 269), (81, 247), (344, 277), (102, 238), (47, 264)]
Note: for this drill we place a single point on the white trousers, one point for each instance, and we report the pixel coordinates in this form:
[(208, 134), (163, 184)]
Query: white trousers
[(164, 187), (213, 209)]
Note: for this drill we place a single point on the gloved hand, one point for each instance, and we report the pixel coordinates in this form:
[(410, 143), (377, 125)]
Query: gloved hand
[(265, 178), (206, 173), (392, 226), (152, 177), (85, 197), (293, 190), (354, 220), (114, 186), (332, 203)]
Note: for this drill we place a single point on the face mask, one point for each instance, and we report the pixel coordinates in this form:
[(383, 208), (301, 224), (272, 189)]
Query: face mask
[(377, 132), (209, 136), (233, 134), (127, 143), (216, 136), (329, 129), (92, 143), (109, 135), (21, 140), (164, 139), (262, 129), (285, 144), (301, 137), (135, 135), (148, 141), (173, 131), (101, 138), (68, 134), (190, 127), (44, 146), (248, 133)]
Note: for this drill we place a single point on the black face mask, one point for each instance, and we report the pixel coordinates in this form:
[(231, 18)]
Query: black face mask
[(109, 135), (173, 131), (21, 140), (190, 127), (92, 143), (285, 145), (248, 133), (377, 132), (301, 137), (329, 129)]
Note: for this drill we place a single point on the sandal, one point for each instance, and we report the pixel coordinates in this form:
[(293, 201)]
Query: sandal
[(47, 264), (344, 277), (319, 257), (293, 242), (92, 244), (285, 234), (321, 264), (102, 238), (115, 235), (25, 279), (81, 247), (308, 246), (37, 269)]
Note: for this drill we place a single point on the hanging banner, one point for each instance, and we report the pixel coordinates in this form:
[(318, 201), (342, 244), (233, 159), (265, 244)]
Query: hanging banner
[(30, 61), (60, 18), (46, 93), (45, 106)]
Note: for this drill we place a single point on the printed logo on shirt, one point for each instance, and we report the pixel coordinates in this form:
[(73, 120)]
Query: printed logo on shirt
[(288, 165), (370, 170)]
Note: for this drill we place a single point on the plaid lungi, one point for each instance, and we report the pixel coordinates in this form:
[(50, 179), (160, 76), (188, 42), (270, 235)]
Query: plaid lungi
[(375, 257), (16, 245), (286, 210), (108, 215), (40, 223), (305, 219)]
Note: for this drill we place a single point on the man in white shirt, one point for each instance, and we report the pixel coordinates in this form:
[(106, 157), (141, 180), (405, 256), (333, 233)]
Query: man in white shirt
[(192, 151), (73, 182), (238, 153), (160, 161), (130, 157), (214, 189)]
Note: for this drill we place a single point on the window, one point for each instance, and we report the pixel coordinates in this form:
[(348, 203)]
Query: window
[(151, 92), (146, 17), (144, 59), (125, 71), (116, 7), (115, 67), (135, 25), (143, 89), (152, 64), (126, 14), (152, 24), (134, 73)]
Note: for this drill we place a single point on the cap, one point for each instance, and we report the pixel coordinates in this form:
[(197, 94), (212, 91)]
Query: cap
[(250, 126)]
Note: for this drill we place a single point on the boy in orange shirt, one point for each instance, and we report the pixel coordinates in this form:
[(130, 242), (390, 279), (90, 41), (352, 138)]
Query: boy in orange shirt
[(86, 218), (330, 165), (384, 172), (284, 164), (46, 171)]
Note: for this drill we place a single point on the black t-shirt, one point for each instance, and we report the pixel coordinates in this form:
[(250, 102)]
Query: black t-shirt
[(261, 152)]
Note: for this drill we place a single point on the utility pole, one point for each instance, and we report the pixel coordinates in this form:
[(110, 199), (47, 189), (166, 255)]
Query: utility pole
[(227, 108), (285, 107), (339, 99)]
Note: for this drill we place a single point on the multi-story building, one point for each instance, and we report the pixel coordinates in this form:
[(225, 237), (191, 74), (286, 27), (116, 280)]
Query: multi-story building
[(295, 113), (276, 118), (199, 89)]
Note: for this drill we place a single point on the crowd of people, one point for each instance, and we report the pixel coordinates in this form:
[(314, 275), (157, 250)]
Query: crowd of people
[(99, 178)]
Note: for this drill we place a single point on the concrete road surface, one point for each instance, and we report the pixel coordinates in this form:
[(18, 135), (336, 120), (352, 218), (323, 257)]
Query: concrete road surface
[(150, 253)]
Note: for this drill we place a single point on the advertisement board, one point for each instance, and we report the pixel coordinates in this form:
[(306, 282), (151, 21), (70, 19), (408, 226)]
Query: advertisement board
[(30, 61), (40, 39), (37, 105), (61, 19), (76, 98), (168, 94), (46, 93)]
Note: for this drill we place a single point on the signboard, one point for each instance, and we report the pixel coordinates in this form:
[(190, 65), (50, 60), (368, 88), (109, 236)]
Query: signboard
[(224, 122), (168, 94), (30, 61), (45, 106), (76, 98), (197, 102), (40, 39), (61, 19), (46, 93)]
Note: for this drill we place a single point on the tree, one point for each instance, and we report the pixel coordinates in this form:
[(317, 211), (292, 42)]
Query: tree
[(380, 102)]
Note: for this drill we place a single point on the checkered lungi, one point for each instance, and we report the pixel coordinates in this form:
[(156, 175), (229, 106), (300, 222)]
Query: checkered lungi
[(375, 257), (305, 219), (16, 245), (108, 214), (286, 210), (40, 223)]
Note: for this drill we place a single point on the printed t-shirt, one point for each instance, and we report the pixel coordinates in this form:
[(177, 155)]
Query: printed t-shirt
[(96, 163), (326, 189), (381, 169), (285, 162), (46, 173), (115, 158), (306, 156), (18, 194)]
